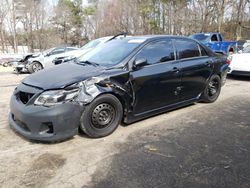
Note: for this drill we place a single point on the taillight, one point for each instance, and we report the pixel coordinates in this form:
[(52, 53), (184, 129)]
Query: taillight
[(228, 61)]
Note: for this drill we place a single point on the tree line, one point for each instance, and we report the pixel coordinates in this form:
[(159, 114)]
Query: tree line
[(40, 24)]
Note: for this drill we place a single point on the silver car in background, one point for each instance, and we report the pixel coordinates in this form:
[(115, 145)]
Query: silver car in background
[(45, 58), (68, 56)]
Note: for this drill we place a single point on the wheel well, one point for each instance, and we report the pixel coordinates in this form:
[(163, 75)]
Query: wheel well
[(122, 101)]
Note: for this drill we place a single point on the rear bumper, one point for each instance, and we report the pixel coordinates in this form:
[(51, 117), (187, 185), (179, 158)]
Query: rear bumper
[(45, 124)]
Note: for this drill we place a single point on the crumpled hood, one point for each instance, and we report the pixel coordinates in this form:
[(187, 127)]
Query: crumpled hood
[(62, 75)]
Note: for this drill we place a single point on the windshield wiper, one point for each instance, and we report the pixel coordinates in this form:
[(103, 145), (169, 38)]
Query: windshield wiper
[(89, 63)]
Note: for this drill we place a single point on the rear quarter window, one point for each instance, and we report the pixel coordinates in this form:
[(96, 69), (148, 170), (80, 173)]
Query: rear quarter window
[(71, 49)]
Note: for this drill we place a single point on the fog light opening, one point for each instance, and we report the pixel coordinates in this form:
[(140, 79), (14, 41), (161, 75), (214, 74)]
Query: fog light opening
[(47, 128)]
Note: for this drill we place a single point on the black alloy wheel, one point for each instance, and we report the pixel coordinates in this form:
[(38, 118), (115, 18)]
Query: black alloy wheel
[(212, 90), (213, 87)]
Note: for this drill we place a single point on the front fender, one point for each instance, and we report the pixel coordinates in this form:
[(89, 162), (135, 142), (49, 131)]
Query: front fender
[(122, 92)]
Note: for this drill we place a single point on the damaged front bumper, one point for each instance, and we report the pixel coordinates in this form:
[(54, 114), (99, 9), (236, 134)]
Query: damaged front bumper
[(45, 123), (20, 68)]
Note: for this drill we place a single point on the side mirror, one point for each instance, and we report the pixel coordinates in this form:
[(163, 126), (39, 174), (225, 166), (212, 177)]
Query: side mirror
[(139, 63)]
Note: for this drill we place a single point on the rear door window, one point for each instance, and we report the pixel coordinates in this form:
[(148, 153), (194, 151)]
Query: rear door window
[(157, 52), (214, 38), (57, 51), (71, 49), (187, 48)]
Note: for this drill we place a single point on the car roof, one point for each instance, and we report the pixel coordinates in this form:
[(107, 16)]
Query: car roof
[(152, 37), (206, 33), (72, 47)]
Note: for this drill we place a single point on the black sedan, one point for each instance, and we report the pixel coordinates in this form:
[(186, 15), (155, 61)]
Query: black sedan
[(125, 79)]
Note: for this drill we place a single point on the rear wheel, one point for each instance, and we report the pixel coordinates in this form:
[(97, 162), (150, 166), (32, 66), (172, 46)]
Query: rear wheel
[(102, 116), (36, 66), (212, 90)]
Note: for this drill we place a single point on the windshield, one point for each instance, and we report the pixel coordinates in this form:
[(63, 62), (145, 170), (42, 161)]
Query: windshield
[(112, 52), (47, 51), (246, 50), (93, 43), (201, 37)]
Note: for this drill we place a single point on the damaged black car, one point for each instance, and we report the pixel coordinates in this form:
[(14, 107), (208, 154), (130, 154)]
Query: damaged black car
[(123, 80)]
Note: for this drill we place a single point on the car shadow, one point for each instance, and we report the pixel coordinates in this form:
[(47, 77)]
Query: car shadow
[(161, 113), (241, 78)]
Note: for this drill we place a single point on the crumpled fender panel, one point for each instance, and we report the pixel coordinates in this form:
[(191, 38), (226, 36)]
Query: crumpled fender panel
[(118, 85)]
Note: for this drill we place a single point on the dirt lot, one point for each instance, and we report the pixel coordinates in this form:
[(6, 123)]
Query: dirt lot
[(203, 145)]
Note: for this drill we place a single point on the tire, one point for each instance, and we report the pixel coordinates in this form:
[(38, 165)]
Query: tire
[(35, 67), (102, 116), (5, 64), (212, 90)]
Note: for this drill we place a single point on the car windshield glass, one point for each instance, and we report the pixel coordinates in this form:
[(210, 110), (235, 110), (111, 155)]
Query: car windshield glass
[(201, 37), (112, 52), (48, 51), (246, 50), (92, 44)]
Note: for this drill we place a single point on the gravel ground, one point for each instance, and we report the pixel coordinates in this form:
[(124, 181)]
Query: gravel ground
[(203, 145)]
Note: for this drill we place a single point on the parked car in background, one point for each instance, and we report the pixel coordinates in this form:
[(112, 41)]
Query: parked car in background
[(44, 60), (10, 61), (240, 63), (246, 44), (20, 66), (216, 42), (7, 59), (66, 57), (125, 79), (240, 44)]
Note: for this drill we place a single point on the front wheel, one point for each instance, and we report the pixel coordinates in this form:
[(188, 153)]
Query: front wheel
[(36, 66), (102, 116), (212, 90)]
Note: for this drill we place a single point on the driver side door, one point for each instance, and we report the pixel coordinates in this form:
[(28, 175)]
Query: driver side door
[(155, 85), (52, 55)]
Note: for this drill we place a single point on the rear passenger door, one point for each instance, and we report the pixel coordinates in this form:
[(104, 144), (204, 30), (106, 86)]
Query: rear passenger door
[(196, 67)]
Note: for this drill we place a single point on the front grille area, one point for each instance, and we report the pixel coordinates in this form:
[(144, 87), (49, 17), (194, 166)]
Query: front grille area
[(24, 97), (46, 128)]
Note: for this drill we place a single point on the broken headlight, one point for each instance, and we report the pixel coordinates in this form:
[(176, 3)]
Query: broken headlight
[(53, 97)]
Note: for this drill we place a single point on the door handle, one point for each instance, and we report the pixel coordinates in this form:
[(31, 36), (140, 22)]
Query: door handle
[(175, 70)]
